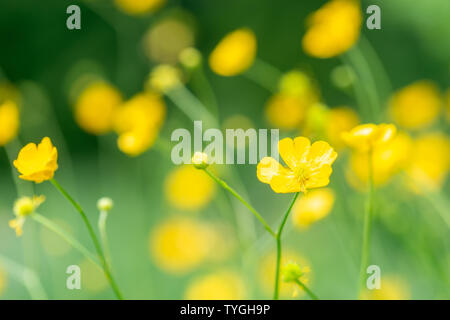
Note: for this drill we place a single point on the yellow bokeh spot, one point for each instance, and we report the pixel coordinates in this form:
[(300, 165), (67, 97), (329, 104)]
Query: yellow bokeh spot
[(92, 277), (138, 7), (286, 111), (96, 106), (222, 285), (9, 121), (392, 288), (339, 120), (416, 106), (313, 206), (188, 188), (234, 54)]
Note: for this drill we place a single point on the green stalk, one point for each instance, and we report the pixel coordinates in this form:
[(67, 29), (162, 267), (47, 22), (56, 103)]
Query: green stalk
[(103, 235), (307, 290), (97, 245), (264, 74), (224, 185), (365, 255), (278, 240)]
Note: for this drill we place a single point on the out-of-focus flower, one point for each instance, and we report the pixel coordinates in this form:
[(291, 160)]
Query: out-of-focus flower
[(268, 269), (291, 272), (96, 106), (200, 160), (234, 54), (392, 288), (168, 37), (138, 122), (138, 7), (313, 206), (222, 285), (285, 111), (164, 78), (298, 83), (309, 166), (388, 159), (188, 188), (93, 279), (333, 29), (37, 163), (447, 105), (180, 244), (366, 137), (9, 92), (3, 280), (51, 242), (416, 106), (339, 120), (190, 58), (430, 161), (23, 207), (9, 121), (105, 204), (343, 76), (316, 120)]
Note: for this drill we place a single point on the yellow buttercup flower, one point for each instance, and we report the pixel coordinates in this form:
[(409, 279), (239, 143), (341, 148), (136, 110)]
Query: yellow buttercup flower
[(339, 120), (37, 163), (366, 137), (285, 111), (95, 108), (416, 106), (313, 206), (9, 121), (222, 285), (180, 244), (309, 166), (3, 280), (333, 29), (188, 188), (430, 161), (392, 288), (234, 54), (134, 143), (23, 207), (291, 272), (138, 7)]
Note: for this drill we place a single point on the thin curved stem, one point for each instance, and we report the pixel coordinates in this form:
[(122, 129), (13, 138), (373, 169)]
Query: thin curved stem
[(224, 185), (307, 290), (103, 235), (264, 74), (97, 245), (278, 240)]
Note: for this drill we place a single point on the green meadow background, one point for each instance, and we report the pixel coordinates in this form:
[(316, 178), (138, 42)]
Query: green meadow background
[(41, 57)]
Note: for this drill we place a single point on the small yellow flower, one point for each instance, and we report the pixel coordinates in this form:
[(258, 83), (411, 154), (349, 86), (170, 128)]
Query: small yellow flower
[(136, 142), (313, 206), (296, 83), (23, 207), (180, 244), (37, 163), (3, 280), (95, 108), (333, 29), (222, 285), (309, 166), (138, 7), (188, 188), (339, 120), (286, 111), (291, 272), (392, 288), (9, 121), (234, 54), (164, 78), (200, 160), (368, 136), (416, 106)]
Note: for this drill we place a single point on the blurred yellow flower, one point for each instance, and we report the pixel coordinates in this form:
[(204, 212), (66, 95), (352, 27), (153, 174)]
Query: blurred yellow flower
[(268, 268), (188, 188), (312, 207), (392, 288), (333, 29), (291, 272), (309, 166), (23, 207), (138, 7), (366, 137), (190, 58), (388, 159), (222, 285), (285, 111), (163, 78), (37, 163), (416, 106), (296, 83), (339, 120), (447, 105), (95, 108), (180, 244), (3, 280), (234, 54), (430, 161), (92, 278), (138, 122), (9, 121)]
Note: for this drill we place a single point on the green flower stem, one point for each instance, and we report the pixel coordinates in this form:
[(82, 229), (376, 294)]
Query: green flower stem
[(307, 290), (97, 245), (278, 240), (264, 74), (224, 185), (103, 235), (202, 87), (68, 238), (365, 255)]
